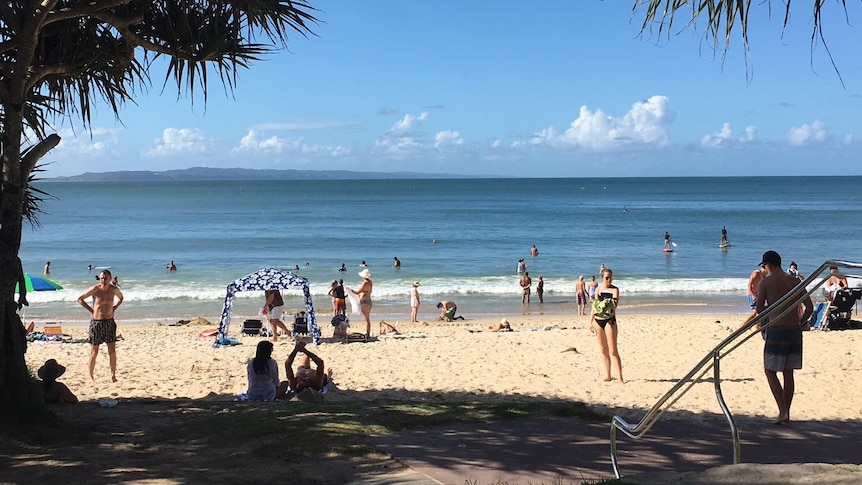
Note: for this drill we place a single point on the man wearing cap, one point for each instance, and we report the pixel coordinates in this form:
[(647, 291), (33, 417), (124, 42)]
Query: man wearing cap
[(783, 349), (414, 302)]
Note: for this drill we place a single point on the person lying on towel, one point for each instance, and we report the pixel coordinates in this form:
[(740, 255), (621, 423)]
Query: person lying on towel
[(305, 377)]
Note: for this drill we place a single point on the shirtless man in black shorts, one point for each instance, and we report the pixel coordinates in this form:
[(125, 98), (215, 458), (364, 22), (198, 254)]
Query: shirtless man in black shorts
[(103, 329)]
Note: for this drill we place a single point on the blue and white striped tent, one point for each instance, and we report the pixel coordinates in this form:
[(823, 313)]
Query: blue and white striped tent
[(267, 279)]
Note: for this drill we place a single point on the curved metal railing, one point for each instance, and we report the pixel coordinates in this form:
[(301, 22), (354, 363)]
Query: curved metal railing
[(712, 361)]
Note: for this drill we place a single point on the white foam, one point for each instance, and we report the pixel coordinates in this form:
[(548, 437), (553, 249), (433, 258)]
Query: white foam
[(430, 288)]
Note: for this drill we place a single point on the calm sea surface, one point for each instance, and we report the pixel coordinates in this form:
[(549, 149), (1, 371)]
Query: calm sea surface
[(219, 231)]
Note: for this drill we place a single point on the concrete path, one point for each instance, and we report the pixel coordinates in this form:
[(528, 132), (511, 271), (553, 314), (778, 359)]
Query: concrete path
[(571, 450)]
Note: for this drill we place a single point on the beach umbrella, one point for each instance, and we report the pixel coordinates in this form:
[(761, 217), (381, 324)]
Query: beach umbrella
[(38, 283)]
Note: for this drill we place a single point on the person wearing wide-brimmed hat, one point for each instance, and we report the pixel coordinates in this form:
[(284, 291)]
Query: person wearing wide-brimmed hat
[(364, 294), (414, 302), (55, 391)]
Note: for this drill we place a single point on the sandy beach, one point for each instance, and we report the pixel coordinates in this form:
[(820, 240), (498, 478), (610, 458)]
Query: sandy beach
[(546, 357)]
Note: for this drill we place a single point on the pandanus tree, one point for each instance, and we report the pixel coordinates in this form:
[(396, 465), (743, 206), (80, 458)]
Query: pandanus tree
[(721, 20), (58, 58)]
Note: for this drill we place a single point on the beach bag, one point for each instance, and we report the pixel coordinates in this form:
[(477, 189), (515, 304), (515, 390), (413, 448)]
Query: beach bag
[(339, 320), (340, 324), (603, 308)]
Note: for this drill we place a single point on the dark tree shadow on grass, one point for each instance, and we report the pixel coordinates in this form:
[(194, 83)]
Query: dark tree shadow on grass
[(453, 435)]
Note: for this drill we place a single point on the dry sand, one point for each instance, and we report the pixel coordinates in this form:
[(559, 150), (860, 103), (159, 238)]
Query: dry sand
[(446, 361)]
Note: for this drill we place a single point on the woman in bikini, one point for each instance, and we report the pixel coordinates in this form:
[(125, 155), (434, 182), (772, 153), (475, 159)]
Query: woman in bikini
[(364, 294), (605, 326)]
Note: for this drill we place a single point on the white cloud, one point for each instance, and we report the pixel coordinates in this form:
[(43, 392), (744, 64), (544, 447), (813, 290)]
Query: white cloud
[(408, 123), (257, 143), (809, 134), (725, 138), (87, 143), (403, 137), (496, 143), (447, 138), (849, 138), (645, 123), (183, 141)]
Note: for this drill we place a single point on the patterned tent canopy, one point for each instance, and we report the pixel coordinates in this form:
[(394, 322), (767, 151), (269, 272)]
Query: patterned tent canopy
[(267, 279)]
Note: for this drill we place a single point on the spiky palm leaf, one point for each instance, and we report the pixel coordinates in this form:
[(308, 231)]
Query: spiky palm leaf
[(34, 196), (59, 57), (722, 18), (105, 51)]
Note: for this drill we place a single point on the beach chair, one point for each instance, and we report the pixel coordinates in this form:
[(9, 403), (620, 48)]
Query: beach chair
[(53, 328), (841, 309), (251, 327), (818, 315), (300, 324)]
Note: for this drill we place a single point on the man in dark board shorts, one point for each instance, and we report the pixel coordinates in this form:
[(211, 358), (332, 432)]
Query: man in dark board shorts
[(103, 329), (783, 349)]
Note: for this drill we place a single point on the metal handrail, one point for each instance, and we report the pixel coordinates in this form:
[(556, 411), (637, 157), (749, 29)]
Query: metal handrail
[(773, 313)]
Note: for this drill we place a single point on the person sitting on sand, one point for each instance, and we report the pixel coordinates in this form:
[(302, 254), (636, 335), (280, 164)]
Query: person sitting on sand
[(263, 383), (387, 328), (503, 326), (53, 391), (305, 377)]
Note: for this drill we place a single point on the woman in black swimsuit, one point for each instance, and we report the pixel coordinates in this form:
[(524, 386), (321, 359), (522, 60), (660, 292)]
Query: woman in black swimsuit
[(605, 326)]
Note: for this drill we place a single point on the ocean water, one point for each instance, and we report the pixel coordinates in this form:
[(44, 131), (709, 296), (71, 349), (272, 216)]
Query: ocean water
[(219, 231)]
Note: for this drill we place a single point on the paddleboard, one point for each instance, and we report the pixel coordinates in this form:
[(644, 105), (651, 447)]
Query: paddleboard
[(724, 245), (667, 250), (101, 267)]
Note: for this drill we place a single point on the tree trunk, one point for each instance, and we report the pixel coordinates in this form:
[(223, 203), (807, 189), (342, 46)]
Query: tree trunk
[(14, 376)]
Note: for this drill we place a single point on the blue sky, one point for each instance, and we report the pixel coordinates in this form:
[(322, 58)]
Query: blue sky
[(548, 89)]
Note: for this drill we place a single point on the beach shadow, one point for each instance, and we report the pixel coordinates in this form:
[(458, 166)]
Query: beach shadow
[(136, 437)]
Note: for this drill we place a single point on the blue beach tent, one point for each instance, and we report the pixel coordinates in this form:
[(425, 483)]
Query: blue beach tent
[(266, 279)]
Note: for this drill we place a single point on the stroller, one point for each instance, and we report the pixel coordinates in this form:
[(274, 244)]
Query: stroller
[(841, 309)]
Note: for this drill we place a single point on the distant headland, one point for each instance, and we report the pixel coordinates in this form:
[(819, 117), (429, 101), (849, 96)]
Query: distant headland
[(215, 174)]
